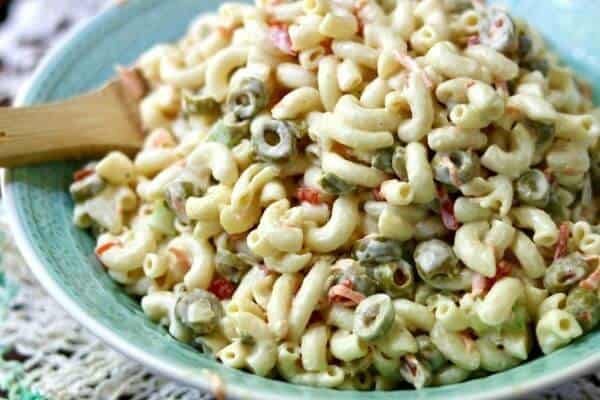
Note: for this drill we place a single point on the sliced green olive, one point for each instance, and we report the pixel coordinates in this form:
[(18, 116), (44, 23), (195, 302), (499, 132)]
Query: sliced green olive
[(374, 317), (357, 275), (87, 187), (250, 98), (382, 160), (374, 250), (194, 104), (498, 31), (274, 140), (533, 188), (415, 371), (230, 265), (584, 305), (162, 218), (335, 185), (229, 131), (199, 310), (430, 353), (396, 279), (456, 167), (399, 163), (565, 273), (176, 194), (435, 257)]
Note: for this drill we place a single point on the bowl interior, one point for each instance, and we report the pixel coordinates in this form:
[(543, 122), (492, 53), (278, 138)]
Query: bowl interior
[(62, 256)]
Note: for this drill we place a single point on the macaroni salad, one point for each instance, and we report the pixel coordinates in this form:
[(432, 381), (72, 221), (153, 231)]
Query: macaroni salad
[(357, 194)]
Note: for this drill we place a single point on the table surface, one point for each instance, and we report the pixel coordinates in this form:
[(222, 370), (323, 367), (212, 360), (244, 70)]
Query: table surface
[(48, 358)]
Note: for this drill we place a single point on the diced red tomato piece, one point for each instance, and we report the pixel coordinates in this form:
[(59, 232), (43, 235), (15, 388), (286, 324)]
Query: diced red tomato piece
[(310, 195), (222, 288)]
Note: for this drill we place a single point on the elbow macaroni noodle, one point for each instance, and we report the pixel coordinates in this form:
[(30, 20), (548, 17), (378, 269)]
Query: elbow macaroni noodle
[(356, 193)]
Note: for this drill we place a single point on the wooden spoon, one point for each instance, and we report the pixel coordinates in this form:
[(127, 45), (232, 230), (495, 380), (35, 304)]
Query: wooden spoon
[(86, 126)]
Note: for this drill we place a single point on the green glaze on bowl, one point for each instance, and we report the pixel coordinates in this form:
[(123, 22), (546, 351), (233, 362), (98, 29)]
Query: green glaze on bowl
[(61, 256)]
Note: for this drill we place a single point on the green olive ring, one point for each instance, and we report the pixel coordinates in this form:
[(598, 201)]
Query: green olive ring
[(374, 317), (376, 250), (273, 140), (396, 279), (199, 310), (565, 273), (456, 167), (533, 188), (248, 100)]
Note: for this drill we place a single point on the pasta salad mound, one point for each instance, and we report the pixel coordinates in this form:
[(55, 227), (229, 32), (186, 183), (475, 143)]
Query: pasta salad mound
[(357, 194)]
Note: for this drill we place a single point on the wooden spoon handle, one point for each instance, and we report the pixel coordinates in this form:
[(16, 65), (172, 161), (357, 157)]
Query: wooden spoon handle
[(85, 126)]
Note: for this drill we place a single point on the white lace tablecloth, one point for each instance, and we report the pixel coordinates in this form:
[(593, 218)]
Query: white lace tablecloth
[(46, 354)]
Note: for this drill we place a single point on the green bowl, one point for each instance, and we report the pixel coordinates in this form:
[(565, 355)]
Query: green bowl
[(61, 256)]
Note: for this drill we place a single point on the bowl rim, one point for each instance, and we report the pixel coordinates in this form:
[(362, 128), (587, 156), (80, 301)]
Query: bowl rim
[(130, 351)]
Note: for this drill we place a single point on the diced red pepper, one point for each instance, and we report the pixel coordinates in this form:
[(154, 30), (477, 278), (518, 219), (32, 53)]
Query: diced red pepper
[(412, 65), (280, 37), (447, 209), (563, 241), (377, 194), (343, 294), (482, 284), (103, 248), (310, 195), (592, 282), (222, 288), (82, 173)]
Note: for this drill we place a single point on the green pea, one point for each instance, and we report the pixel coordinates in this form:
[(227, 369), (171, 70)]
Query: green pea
[(199, 310), (194, 104), (456, 167), (374, 250), (584, 305), (176, 195), (533, 188), (544, 134), (274, 140), (430, 353), (415, 371), (230, 265), (361, 281), (395, 279), (399, 163), (558, 203), (565, 273), (162, 219), (250, 98), (517, 321), (374, 317), (435, 257), (333, 184), (382, 160), (87, 187), (498, 31), (229, 131)]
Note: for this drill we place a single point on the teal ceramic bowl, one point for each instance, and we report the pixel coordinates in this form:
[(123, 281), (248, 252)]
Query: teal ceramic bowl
[(61, 256)]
